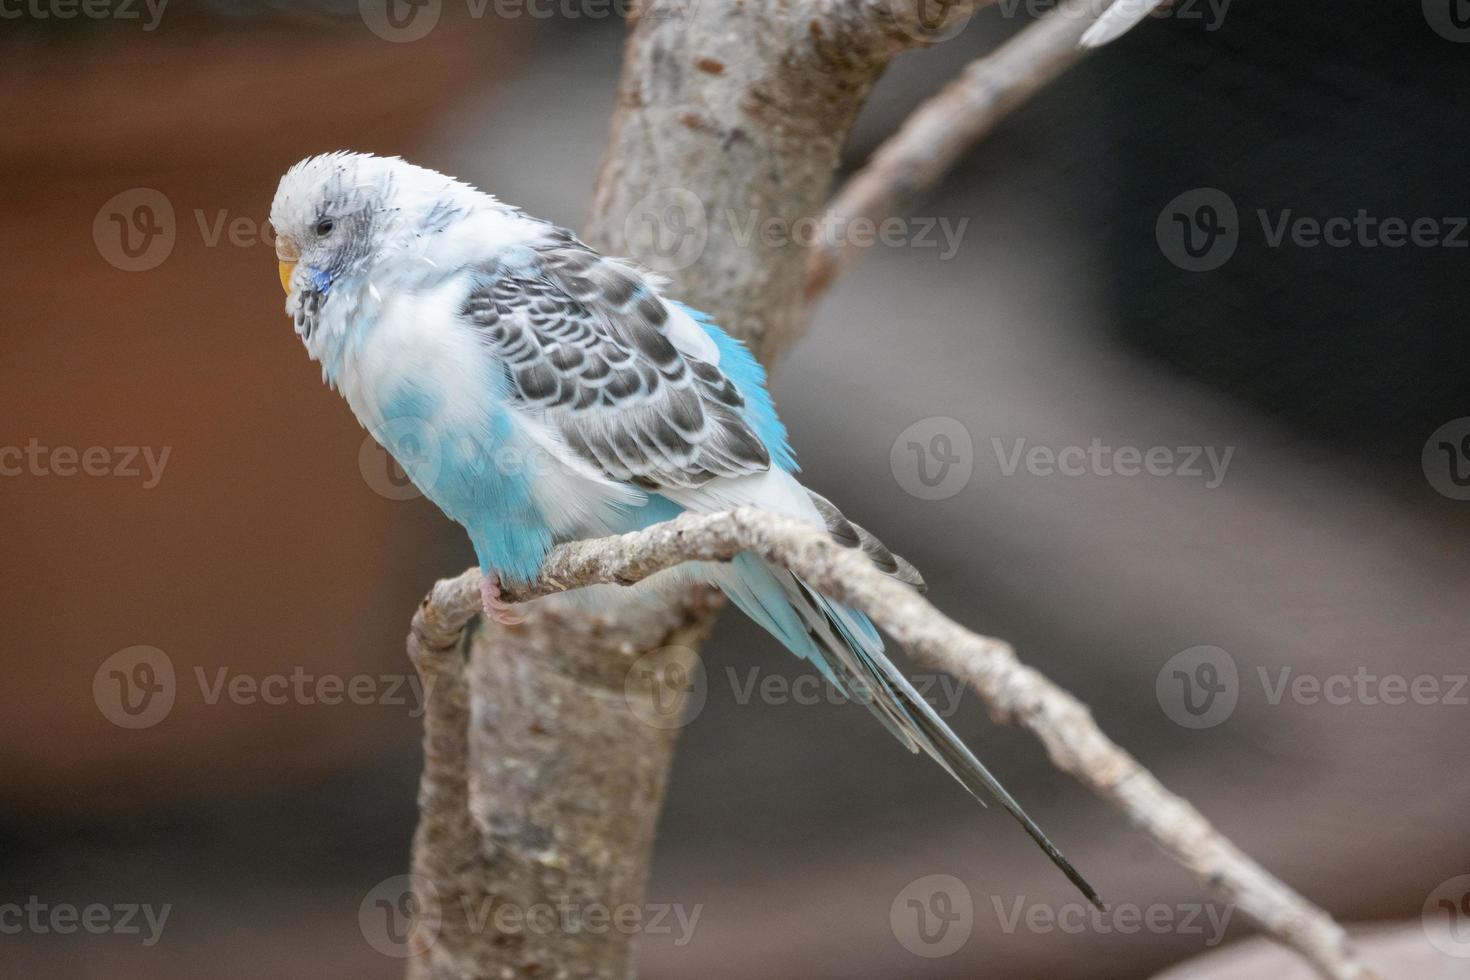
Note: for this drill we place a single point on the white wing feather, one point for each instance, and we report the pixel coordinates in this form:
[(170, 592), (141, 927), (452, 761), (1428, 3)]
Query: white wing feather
[(1117, 20)]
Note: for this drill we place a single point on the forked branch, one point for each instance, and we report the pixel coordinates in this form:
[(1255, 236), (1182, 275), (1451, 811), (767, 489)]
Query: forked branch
[(1014, 693)]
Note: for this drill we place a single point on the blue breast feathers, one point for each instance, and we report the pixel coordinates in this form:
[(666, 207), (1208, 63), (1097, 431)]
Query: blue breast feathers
[(476, 472)]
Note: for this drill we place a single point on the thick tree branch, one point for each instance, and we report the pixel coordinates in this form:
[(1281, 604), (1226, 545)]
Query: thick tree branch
[(742, 109), (1014, 693)]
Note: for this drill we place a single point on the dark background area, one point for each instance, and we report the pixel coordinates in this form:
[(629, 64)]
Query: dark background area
[(265, 547)]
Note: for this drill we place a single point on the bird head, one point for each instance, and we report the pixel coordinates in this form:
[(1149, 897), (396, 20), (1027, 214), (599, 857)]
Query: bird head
[(350, 223), (328, 214)]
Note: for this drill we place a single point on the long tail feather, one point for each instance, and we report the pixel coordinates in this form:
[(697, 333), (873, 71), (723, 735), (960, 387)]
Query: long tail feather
[(842, 643), (971, 773)]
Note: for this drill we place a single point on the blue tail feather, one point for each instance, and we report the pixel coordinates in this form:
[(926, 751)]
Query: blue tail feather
[(846, 647)]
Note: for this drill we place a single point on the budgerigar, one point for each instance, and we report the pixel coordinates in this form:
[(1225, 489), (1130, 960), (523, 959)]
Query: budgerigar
[(565, 396)]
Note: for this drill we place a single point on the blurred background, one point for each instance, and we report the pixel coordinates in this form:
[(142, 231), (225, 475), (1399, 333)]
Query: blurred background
[(1132, 281)]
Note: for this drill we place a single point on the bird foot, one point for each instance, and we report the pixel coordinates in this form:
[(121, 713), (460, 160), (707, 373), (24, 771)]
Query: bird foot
[(504, 613)]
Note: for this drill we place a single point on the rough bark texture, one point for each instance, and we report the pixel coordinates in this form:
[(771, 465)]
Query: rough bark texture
[(544, 769), (1015, 694), (539, 789)]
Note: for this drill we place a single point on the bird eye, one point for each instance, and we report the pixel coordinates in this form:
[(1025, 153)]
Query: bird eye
[(324, 227)]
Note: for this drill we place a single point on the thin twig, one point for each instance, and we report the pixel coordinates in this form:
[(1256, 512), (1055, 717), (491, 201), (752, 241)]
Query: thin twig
[(1014, 693), (936, 136)]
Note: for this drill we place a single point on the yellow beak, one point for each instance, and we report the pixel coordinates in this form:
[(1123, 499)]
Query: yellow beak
[(286, 255)]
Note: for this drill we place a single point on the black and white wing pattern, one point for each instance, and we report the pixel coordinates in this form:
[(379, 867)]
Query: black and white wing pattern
[(586, 342)]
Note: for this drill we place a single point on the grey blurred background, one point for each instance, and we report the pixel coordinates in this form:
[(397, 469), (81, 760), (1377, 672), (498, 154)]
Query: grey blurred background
[(1330, 544)]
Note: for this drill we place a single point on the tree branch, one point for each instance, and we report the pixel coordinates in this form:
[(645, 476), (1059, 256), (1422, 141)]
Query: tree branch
[(936, 136), (542, 783), (1014, 693)]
